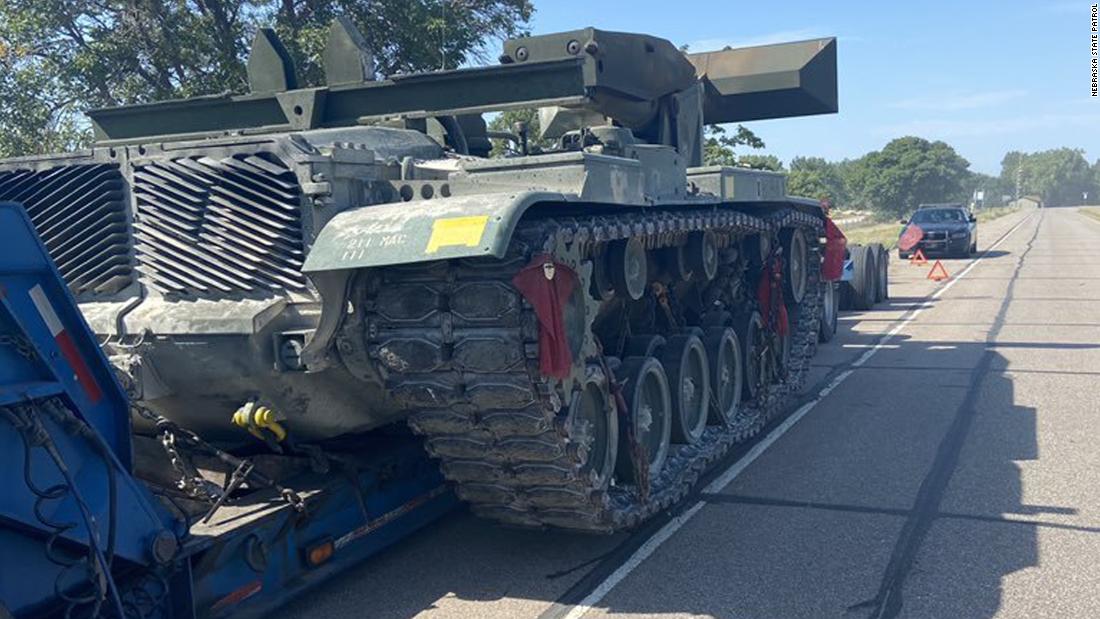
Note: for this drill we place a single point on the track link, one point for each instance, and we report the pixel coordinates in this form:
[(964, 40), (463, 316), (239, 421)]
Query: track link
[(458, 345)]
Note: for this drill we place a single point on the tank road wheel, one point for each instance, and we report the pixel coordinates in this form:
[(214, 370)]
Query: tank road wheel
[(644, 346), (756, 249), (702, 255), (685, 361), (602, 288), (645, 389), (674, 263), (830, 310), (629, 268), (596, 428), (717, 319), (750, 331), (727, 375), (795, 257)]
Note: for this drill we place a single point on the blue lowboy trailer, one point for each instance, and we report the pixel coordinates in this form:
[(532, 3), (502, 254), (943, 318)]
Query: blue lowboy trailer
[(87, 529)]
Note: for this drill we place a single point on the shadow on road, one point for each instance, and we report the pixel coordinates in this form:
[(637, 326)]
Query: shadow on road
[(943, 548), (962, 530)]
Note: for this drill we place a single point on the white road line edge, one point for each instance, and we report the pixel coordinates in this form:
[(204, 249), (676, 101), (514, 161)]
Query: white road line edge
[(917, 311), (641, 554), (664, 533)]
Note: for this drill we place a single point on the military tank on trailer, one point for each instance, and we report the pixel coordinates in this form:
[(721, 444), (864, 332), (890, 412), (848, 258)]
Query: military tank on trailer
[(578, 331)]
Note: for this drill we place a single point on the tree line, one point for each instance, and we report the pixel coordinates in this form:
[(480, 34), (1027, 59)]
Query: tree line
[(61, 57), (910, 171)]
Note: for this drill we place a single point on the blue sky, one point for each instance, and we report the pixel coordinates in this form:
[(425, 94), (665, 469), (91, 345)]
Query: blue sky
[(986, 77)]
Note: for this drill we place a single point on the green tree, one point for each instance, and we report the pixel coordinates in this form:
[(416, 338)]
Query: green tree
[(1059, 176), (761, 162), (814, 177), (909, 171), (506, 122), (69, 55), (851, 173), (1094, 195), (718, 147), (992, 187)]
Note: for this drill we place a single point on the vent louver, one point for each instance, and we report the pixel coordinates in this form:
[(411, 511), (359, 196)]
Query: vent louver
[(80, 214), (215, 227)]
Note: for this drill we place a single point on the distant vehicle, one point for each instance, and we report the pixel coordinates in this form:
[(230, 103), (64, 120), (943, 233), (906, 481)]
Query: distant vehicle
[(949, 229)]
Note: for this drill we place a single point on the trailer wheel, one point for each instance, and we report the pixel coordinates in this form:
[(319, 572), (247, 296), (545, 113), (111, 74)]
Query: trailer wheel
[(830, 308), (882, 270), (864, 278), (844, 296)]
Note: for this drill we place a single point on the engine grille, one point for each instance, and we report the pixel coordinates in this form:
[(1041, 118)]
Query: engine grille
[(80, 213), (215, 227)]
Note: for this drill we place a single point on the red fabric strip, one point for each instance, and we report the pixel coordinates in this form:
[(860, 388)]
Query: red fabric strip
[(83, 374), (832, 267), (769, 294), (548, 295)]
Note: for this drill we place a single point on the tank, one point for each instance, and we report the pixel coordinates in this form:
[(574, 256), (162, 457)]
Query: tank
[(577, 331)]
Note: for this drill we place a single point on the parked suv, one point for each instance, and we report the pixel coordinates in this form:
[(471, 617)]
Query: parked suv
[(948, 229)]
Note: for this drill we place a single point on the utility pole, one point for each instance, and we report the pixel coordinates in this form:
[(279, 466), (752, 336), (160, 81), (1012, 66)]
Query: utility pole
[(1019, 173), (443, 38)]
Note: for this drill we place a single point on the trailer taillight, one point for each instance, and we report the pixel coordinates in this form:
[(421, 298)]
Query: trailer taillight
[(320, 553)]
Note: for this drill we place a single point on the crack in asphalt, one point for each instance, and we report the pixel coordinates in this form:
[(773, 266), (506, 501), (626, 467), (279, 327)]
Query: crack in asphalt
[(887, 603), (606, 564)]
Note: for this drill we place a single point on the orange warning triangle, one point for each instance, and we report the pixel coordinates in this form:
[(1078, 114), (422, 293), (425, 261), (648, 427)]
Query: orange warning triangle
[(938, 273), (918, 259)]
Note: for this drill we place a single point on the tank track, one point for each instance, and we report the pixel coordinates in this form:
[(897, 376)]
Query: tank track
[(459, 345)]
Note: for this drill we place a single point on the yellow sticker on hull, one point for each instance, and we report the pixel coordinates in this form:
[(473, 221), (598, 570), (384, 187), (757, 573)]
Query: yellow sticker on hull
[(456, 231)]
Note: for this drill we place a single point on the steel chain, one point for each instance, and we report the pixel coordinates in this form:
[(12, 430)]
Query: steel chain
[(21, 344)]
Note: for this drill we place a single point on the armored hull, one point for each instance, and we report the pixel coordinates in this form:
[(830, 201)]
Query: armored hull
[(577, 333)]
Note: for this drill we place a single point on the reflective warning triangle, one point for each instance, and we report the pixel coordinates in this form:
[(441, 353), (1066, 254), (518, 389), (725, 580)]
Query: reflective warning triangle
[(918, 259), (938, 272)]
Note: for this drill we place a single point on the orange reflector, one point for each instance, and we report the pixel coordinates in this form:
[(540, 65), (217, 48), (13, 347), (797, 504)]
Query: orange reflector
[(319, 553)]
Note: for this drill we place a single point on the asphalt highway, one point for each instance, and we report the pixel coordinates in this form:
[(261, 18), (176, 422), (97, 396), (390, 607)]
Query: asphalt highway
[(945, 464)]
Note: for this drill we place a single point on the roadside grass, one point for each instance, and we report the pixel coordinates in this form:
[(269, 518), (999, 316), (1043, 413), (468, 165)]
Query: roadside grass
[(887, 234), (1091, 211), (990, 214)]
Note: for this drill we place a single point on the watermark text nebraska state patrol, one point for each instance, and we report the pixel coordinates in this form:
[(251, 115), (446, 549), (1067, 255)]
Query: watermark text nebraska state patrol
[(1093, 48)]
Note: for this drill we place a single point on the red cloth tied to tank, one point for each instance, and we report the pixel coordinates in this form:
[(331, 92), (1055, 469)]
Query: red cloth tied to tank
[(832, 267), (909, 239), (769, 294), (547, 285)]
